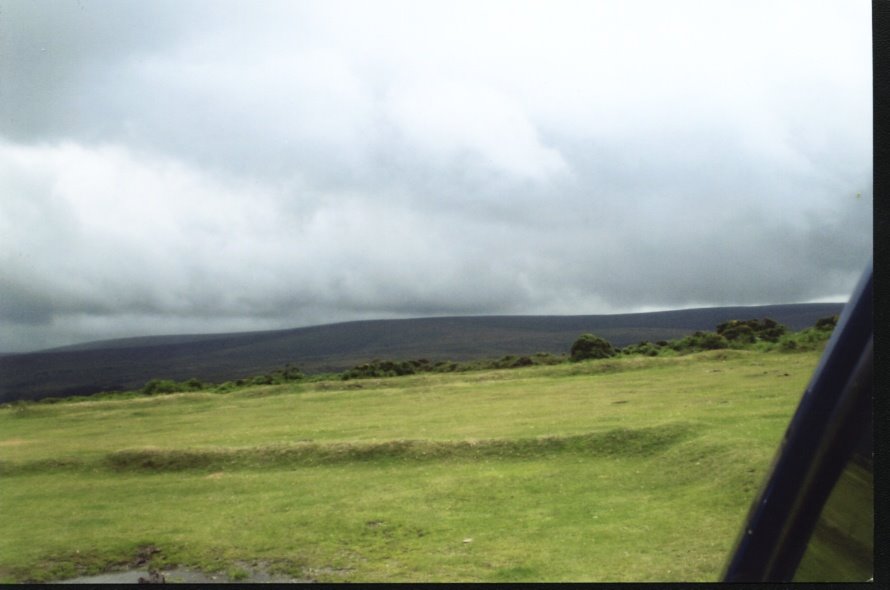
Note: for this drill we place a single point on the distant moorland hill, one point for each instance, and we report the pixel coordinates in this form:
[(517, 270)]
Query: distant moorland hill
[(126, 364)]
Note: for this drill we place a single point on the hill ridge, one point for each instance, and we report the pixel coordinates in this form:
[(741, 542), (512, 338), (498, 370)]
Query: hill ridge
[(643, 319), (103, 366)]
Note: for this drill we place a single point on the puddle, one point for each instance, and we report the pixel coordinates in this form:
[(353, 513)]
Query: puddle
[(183, 576)]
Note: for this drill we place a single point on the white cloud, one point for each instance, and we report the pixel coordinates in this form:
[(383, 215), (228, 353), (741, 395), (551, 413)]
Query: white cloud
[(449, 118), (124, 228), (195, 166)]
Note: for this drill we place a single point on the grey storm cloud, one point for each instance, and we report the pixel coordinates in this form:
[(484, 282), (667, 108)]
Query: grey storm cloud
[(188, 166)]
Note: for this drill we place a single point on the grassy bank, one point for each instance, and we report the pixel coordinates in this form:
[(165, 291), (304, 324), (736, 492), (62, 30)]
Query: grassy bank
[(626, 469)]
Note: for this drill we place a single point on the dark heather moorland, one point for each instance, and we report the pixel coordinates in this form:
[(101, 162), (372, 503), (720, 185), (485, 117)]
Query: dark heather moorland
[(126, 364)]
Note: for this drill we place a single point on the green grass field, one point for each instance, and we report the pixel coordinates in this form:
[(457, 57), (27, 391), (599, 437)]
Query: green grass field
[(629, 469)]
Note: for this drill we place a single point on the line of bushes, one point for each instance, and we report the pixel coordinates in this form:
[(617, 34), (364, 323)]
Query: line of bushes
[(387, 368), (757, 334), (760, 334), (288, 374)]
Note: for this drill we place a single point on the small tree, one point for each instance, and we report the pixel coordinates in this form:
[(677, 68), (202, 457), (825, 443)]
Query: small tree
[(588, 346)]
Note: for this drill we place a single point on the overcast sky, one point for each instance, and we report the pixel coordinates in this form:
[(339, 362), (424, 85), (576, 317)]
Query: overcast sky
[(183, 167)]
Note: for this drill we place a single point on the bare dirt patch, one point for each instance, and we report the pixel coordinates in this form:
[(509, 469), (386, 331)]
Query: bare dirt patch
[(181, 576), (14, 442), (141, 570)]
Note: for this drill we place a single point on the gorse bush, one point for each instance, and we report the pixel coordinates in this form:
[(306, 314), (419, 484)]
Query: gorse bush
[(828, 323), (738, 332), (750, 331), (644, 348), (277, 377), (805, 340), (513, 362), (588, 346), (699, 341), (380, 368), (389, 368), (159, 386)]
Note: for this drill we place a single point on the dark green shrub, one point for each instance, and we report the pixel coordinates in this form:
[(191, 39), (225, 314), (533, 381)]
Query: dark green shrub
[(156, 386), (192, 384), (644, 348), (291, 373), (378, 368), (588, 346), (262, 380), (546, 358), (750, 331), (700, 341), (808, 339), (770, 330), (826, 323), (506, 362), (788, 346), (709, 341), (741, 333)]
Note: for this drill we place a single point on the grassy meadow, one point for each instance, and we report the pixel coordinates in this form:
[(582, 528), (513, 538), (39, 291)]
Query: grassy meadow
[(621, 469)]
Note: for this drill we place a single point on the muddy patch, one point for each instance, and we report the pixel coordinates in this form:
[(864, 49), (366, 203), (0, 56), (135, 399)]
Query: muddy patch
[(144, 555), (141, 570), (182, 575)]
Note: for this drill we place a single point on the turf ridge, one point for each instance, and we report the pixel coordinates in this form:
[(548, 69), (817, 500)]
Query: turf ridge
[(619, 442)]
